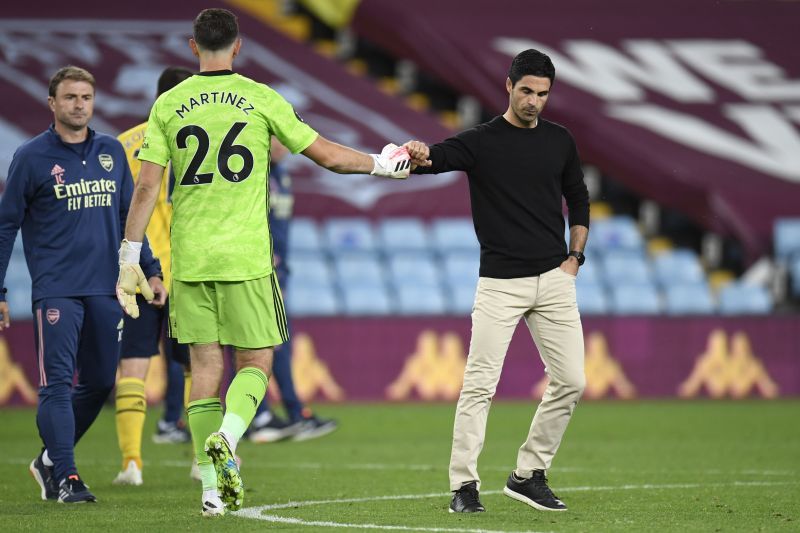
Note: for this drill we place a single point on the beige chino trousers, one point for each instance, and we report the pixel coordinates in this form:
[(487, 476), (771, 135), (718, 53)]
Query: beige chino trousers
[(547, 302)]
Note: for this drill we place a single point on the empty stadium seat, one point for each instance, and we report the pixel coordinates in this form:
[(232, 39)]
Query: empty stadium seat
[(590, 273), (310, 269), (304, 236), (462, 297), (744, 299), (680, 267), (624, 267), (786, 235), (592, 299), (344, 235), (416, 269), (402, 234), (18, 282), (688, 299), (454, 234), (420, 300), (19, 303), (615, 233), (354, 269), (635, 299), (303, 300), (459, 267), (18, 243), (364, 300)]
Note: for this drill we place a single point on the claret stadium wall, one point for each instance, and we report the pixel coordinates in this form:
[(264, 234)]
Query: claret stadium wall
[(726, 153)]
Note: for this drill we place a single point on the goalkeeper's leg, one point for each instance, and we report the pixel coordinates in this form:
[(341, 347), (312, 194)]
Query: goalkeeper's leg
[(205, 417)]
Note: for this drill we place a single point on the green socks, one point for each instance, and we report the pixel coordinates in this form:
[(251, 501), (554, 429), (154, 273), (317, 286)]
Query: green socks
[(246, 392), (205, 417)]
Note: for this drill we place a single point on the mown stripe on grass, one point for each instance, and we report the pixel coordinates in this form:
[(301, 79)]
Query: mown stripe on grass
[(256, 513)]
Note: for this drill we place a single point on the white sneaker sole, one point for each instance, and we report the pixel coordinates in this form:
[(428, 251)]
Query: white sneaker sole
[(264, 436), (121, 480), (38, 479), (524, 499)]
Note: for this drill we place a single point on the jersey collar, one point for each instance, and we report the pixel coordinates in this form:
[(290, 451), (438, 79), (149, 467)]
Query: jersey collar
[(215, 73)]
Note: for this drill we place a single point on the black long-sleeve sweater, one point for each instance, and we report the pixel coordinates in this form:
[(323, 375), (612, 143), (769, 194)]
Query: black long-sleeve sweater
[(517, 177)]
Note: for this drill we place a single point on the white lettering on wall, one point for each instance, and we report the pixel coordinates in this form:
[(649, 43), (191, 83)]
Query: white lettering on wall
[(612, 75), (773, 146), (739, 67), (624, 77)]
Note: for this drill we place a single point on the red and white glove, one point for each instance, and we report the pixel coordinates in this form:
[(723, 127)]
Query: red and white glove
[(392, 162)]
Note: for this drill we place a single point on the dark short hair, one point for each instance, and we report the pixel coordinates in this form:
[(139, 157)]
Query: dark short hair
[(69, 72), (171, 77), (531, 63), (215, 29)]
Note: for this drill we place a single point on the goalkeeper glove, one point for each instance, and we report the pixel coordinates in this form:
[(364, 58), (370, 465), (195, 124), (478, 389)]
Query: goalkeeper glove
[(392, 162), (131, 277)]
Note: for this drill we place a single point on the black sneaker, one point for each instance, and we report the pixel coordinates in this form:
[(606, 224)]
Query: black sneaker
[(72, 490), (171, 433), (44, 477), (311, 427), (466, 499), (273, 430), (533, 491)]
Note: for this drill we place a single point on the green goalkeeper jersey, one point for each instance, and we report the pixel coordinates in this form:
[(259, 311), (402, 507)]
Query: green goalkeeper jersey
[(215, 127)]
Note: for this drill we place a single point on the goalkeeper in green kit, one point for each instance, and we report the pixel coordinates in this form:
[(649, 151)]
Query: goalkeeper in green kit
[(215, 129)]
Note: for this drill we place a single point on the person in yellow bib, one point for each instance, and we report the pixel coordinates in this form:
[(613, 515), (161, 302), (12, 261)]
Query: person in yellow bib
[(141, 336), (215, 130)]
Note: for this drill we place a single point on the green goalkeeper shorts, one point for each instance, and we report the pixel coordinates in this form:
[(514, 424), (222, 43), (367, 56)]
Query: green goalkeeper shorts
[(245, 314)]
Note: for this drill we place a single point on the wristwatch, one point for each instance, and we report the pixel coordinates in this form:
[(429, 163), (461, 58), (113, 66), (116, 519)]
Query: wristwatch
[(579, 256)]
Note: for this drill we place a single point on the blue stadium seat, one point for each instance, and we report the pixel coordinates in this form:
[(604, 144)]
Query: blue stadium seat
[(626, 268), (461, 268), (420, 300), (415, 269), (19, 303), (310, 269), (616, 233), (592, 299), (18, 282), (688, 299), (304, 236), (454, 234), (403, 234), (303, 300), (343, 235), (786, 234), (18, 243), (743, 299), (462, 297), (678, 267), (635, 299), (591, 273), (355, 269), (365, 300)]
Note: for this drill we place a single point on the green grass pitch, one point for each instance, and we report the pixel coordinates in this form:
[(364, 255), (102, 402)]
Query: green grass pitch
[(641, 466)]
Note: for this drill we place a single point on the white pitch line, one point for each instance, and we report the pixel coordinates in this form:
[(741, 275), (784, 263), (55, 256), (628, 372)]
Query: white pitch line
[(259, 465), (320, 523), (255, 513)]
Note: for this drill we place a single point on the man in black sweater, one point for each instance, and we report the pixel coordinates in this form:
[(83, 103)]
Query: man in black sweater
[(519, 166)]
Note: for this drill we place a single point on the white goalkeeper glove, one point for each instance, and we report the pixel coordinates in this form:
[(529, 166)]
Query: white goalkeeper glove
[(392, 162), (130, 278)]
